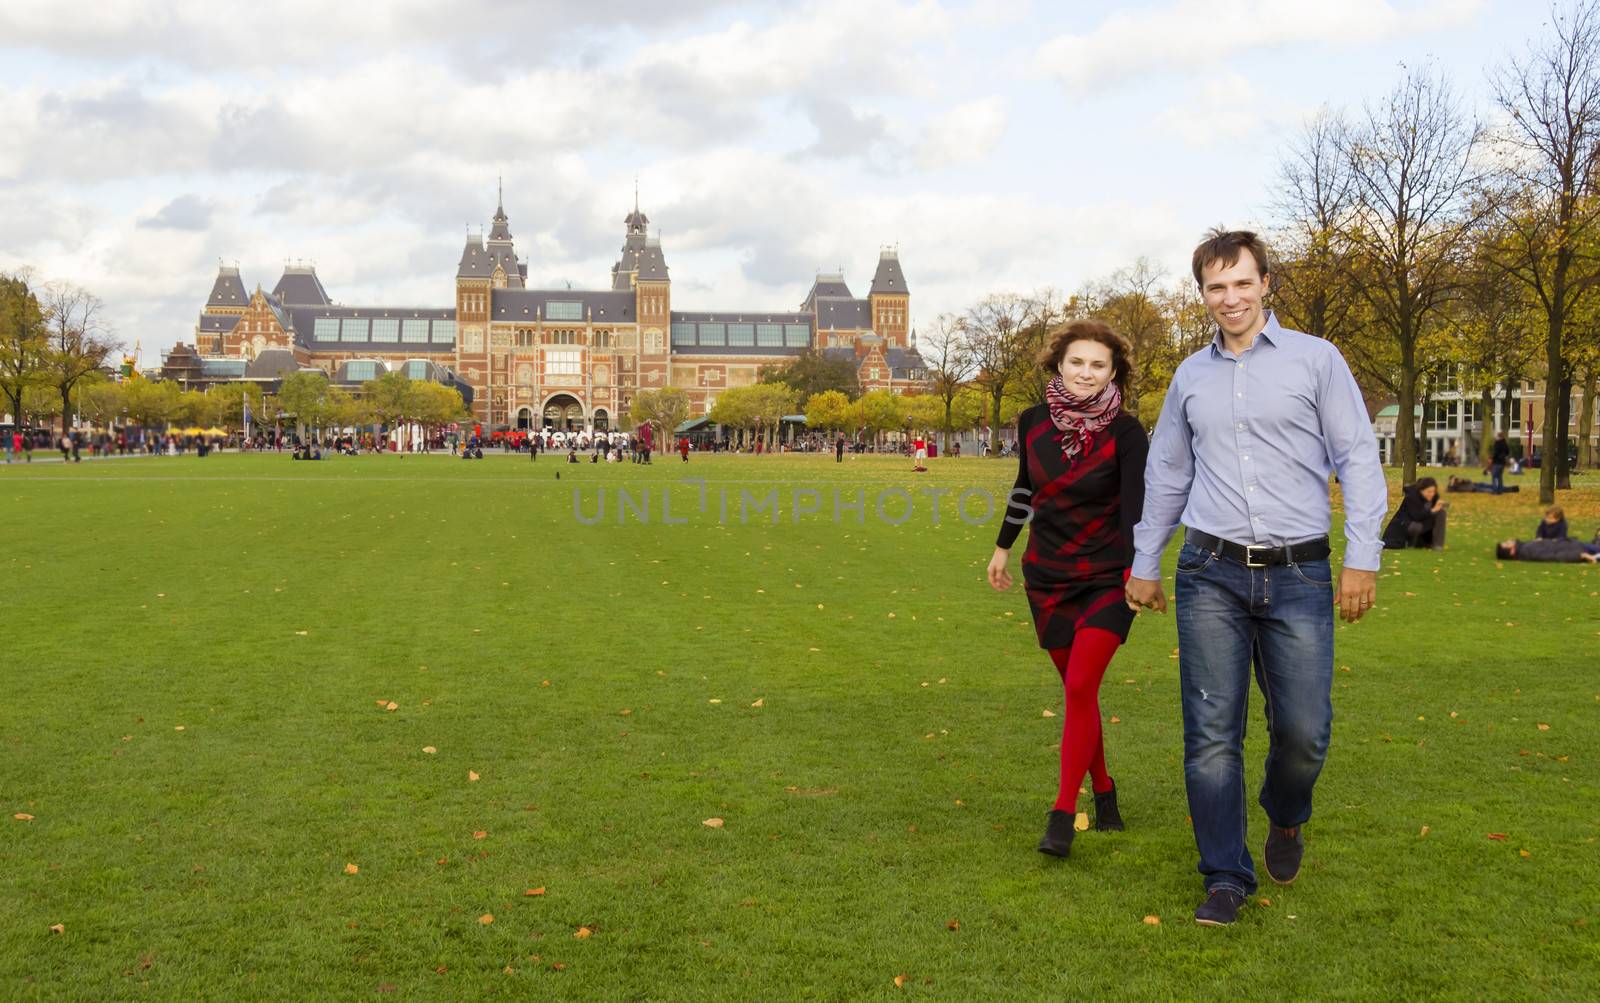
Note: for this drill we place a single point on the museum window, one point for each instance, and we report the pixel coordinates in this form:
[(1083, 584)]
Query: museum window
[(563, 363), (563, 310)]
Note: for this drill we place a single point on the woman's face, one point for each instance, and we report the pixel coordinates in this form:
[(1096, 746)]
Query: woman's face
[(1430, 492), (1086, 368)]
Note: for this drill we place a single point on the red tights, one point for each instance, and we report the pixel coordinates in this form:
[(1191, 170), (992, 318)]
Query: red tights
[(1083, 750)]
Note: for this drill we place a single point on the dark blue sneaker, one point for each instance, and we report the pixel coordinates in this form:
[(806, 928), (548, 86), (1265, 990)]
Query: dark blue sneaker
[(1282, 854), (1220, 908)]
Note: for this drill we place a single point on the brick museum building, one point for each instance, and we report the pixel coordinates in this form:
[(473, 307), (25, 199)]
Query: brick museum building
[(563, 358)]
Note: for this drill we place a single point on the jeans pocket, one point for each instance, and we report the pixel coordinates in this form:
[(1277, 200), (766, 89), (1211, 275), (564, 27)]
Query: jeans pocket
[(1192, 559), (1317, 574)]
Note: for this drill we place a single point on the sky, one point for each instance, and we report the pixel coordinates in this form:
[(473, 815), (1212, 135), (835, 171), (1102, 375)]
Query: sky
[(1001, 146)]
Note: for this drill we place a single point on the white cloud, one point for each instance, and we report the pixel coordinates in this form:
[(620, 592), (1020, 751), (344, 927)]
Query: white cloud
[(1192, 35), (965, 134)]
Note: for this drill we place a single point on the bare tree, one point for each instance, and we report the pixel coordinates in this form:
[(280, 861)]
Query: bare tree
[(950, 365), (1551, 96), (1311, 286), (1131, 301), (998, 346), (1414, 172), (1047, 309), (78, 340)]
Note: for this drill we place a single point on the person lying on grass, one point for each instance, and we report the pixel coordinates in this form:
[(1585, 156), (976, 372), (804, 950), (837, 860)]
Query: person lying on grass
[(1561, 551)]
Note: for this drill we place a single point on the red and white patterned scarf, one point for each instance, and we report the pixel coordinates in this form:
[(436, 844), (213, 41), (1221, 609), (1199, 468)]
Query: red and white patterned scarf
[(1079, 418)]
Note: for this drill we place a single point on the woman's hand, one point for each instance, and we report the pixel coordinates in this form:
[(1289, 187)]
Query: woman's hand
[(999, 577)]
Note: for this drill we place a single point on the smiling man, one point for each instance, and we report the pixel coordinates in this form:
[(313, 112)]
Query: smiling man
[(1251, 428)]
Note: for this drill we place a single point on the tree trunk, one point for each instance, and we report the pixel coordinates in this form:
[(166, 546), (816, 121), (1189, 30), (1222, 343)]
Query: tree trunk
[(1563, 420), (1486, 433), (994, 420), (1586, 443), (1406, 427), (949, 406), (1550, 429)]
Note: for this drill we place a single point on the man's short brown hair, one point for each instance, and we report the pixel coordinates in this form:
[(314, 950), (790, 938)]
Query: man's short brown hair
[(1224, 246)]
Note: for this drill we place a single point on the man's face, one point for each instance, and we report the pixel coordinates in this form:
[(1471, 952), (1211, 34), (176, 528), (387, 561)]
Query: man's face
[(1233, 295)]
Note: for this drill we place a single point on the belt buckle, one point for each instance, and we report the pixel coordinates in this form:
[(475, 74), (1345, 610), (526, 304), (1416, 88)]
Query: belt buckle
[(1249, 557)]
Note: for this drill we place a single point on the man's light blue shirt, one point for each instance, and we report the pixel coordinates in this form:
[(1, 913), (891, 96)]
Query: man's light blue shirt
[(1245, 444)]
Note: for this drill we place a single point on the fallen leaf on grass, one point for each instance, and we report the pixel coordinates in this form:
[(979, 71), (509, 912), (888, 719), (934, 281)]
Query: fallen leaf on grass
[(1152, 921), (177, 727), (301, 633), (471, 776), (545, 683), (1048, 713), (760, 702), (58, 928), (954, 924), (391, 706), (1265, 903), (901, 979), (480, 834), (1498, 837), (486, 918), (531, 892), (1524, 854), (712, 823), (351, 869), (713, 700), (430, 750), (1115, 719), (23, 816), (625, 712), (1080, 822), (1424, 832), (1543, 726), (582, 933)]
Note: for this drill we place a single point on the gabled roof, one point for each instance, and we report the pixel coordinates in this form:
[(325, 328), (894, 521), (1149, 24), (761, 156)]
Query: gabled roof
[(844, 315), (272, 364), (600, 307), (299, 286), (501, 230), (888, 278), (475, 261), (827, 285), (641, 255), (228, 290), (903, 358), (218, 323), (503, 255)]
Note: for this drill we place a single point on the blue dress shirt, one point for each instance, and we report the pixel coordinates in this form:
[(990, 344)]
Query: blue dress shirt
[(1245, 444)]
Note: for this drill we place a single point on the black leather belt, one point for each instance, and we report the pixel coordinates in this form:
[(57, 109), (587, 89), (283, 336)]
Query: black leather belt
[(1258, 556)]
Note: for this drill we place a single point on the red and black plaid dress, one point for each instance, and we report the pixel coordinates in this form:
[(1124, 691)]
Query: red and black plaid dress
[(1080, 540)]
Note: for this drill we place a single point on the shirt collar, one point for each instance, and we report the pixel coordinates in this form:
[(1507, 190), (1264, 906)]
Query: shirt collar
[(1266, 334)]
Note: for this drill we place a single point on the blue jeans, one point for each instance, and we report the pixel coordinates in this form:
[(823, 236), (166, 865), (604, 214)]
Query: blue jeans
[(1497, 476), (1279, 619)]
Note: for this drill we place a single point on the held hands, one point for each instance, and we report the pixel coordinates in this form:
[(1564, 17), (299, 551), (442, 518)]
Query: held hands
[(1358, 591), (1143, 594), (999, 577)]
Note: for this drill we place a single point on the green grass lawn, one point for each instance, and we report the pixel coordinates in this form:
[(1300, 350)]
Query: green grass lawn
[(200, 656)]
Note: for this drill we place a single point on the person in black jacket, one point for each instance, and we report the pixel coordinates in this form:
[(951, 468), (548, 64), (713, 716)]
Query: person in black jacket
[(1498, 456), (1420, 519), (1080, 490), (1553, 526)]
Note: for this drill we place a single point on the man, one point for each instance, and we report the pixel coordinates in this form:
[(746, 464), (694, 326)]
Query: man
[(1555, 551), (1251, 427), (1498, 455), (838, 449)]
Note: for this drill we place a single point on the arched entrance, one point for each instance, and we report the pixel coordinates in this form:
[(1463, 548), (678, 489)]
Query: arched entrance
[(524, 418), (602, 421), (563, 413)]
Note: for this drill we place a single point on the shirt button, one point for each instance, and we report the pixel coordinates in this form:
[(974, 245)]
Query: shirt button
[(1241, 424), (1252, 487), (1239, 394)]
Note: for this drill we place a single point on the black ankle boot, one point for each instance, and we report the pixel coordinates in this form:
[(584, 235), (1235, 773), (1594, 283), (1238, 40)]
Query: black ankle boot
[(1058, 833), (1106, 816)]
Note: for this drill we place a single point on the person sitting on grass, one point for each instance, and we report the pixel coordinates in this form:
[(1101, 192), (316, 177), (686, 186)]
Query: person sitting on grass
[(1420, 519), (1553, 526), (1559, 551)]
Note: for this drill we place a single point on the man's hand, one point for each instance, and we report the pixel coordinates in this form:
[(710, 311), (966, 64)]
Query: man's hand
[(1143, 593), (999, 577), (1358, 590)]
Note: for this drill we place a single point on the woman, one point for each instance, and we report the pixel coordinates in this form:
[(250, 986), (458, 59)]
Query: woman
[(1420, 519), (1081, 476)]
